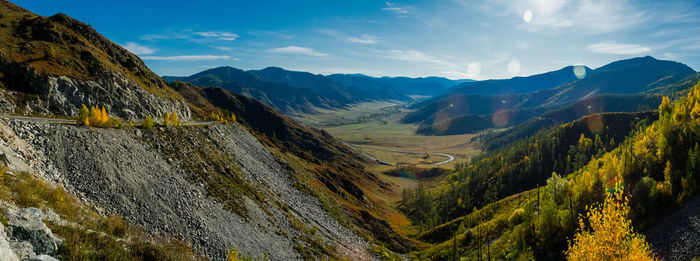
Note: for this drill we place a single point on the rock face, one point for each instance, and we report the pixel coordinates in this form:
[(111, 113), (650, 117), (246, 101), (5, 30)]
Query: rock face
[(27, 225), (62, 95), (128, 172)]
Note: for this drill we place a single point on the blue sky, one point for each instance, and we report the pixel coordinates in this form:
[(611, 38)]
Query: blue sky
[(450, 38)]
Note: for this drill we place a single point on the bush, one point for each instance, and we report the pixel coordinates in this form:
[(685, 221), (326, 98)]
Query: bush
[(517, 217)]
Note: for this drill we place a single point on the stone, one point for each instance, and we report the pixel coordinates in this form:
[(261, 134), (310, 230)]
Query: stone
[(27, 225), (22, 249), (40, 258)]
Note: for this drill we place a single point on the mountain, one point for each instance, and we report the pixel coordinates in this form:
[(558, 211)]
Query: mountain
[(636, 75), (325, 87), (279, 95), (518, 85), (53, 65), (396, 88), (292, 91), (463, 113)]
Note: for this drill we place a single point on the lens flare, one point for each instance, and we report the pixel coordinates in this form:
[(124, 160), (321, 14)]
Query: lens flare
[(579, 71), (527, 16), (501, 118)]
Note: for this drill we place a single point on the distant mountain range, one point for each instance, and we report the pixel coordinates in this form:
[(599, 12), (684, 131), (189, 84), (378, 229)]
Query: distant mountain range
[(294, 92), (499, 103)]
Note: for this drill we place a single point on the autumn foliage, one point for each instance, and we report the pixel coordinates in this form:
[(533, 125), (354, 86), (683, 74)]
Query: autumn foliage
[(96, 117), (610, 236)]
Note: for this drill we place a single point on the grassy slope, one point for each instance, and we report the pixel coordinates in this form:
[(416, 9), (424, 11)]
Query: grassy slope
[(60, 45)]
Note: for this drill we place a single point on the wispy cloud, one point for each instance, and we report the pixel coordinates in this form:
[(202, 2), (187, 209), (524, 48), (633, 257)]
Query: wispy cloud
[(447, 68), (618, 48), (138, 49), (222, 48), (224, 36), (395, 8), (364, 39), (298, 50), (188, 58)]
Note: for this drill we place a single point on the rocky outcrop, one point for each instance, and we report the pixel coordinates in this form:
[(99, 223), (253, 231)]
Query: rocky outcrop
[(27, 225), (63, 95)]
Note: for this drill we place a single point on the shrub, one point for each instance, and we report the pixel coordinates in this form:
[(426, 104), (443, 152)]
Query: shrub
[(516, 217)]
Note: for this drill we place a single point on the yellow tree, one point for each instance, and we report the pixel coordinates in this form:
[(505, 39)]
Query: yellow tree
[(148, 122), (665, 106), (83, 115), (175, 121), (610, 236), (166, 119), (94, 116), (104, 117)]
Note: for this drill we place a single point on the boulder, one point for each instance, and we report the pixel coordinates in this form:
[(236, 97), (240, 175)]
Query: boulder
[(6, 252), (27, 225)]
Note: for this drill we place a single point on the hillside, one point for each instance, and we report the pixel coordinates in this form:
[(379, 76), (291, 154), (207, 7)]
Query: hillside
[(454, 114), (322, 165), (55, 64), (653, 167)]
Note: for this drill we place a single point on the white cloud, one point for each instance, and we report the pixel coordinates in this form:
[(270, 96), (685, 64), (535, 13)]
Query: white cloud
[(188, 58), (394, 8), (618, 48), (364, 39), (138, 49), (298, 50), (583, 16), (224, 36)]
